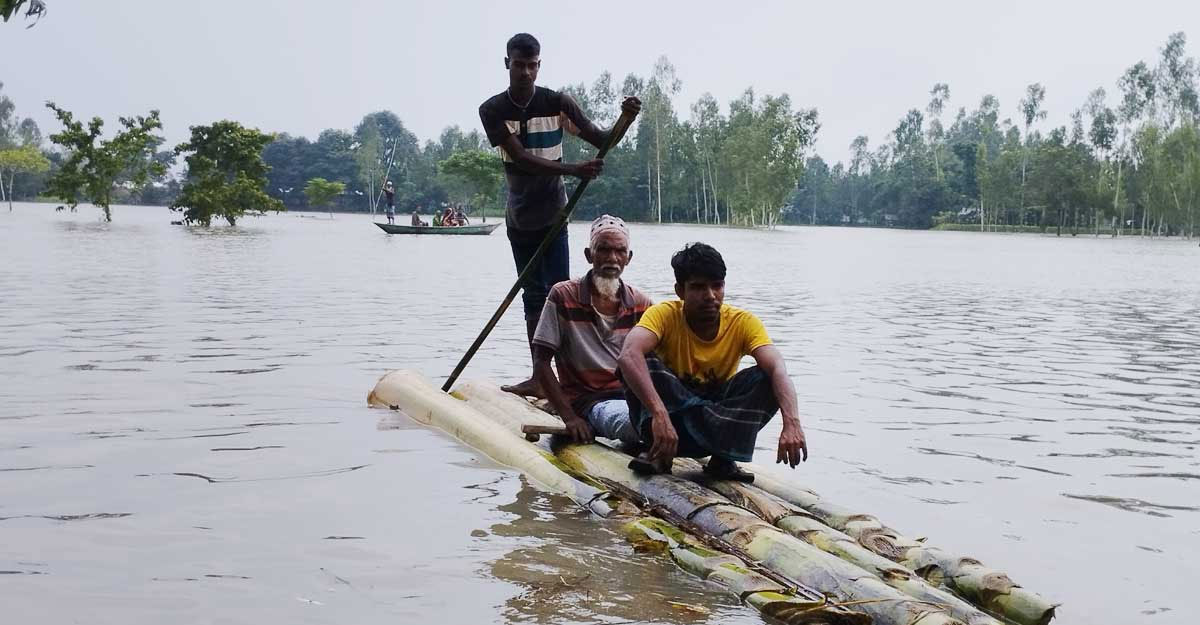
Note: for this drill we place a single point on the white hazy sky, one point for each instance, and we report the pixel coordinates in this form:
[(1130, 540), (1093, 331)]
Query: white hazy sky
[(300, 66)]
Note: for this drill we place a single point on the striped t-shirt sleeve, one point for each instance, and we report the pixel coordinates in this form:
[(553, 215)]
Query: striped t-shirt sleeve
[(493, 126)]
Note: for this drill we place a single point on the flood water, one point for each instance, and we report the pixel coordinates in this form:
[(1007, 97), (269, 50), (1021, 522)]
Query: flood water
[(184, 433)]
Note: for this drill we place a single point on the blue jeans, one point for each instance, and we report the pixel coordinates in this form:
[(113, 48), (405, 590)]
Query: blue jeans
[(553, 268), (610, 419)]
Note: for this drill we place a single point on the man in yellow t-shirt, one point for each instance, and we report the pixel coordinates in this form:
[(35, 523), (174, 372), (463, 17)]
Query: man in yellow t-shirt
[(686, 396)]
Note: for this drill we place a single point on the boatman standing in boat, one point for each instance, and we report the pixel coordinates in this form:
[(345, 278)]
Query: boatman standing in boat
[(526, 123), (686, 396), (582, 327), (390, 192)]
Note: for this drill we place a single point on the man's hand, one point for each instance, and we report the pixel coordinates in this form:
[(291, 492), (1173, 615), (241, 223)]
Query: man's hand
[(588, 169), (792, 446), (666, 441), (579, 430), (632, 106)]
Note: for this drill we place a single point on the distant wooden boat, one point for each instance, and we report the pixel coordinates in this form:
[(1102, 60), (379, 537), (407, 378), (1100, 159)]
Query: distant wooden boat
[(483, 229)]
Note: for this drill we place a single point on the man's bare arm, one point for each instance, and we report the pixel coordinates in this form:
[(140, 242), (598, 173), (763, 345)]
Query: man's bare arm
[(577, 427), (636, 374), (594, 135), (793, 448)]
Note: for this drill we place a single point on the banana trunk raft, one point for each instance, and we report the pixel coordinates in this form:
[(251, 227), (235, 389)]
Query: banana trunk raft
[(779, 548)]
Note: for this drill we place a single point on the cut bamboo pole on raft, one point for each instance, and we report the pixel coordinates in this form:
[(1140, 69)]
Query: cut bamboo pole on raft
[(560, 222), (991, 590), (412, 394), (785, 554)]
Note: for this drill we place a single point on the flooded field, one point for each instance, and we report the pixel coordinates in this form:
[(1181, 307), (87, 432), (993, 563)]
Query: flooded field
[(184, 432)]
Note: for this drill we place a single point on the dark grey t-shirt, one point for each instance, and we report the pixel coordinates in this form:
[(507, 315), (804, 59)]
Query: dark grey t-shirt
[(533, 199)]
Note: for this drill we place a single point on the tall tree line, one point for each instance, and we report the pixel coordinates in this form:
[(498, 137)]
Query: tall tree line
[(1128, 161)]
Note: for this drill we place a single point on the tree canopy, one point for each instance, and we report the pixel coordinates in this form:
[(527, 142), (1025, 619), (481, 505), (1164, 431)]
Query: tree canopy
[(226, 175), (25, 159), (92, 165), (34, 9), (320, 191), (474, 177), (1125, 162)]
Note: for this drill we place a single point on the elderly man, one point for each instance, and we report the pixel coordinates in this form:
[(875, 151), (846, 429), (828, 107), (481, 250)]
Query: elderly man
[(582, 327), (688, 398)]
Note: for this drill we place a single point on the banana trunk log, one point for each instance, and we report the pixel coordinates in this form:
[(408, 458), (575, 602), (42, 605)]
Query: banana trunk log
[(987, 588), (412, 394), (734, 575), (506, 409), (848, 585), (804, 526)]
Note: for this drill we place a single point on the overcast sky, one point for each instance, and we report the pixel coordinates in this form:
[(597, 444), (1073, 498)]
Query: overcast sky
[(300, 66)]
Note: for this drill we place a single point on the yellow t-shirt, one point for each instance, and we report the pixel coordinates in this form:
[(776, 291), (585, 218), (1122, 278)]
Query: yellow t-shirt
[(698, 362)]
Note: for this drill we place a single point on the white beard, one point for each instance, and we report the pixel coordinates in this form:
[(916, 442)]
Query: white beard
[(606, 287)]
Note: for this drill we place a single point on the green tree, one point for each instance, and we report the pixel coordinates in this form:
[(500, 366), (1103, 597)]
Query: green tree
[(320, 192), (33, 9), (226, 175), (93, 166), (938, 96), (1031, 110), (477, 176), (24, 160)]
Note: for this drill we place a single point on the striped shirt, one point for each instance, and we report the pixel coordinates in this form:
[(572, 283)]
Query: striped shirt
[(585, 344), (533, 199)]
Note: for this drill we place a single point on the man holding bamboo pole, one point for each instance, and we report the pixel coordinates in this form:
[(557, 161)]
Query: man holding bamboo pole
[(526, 123)]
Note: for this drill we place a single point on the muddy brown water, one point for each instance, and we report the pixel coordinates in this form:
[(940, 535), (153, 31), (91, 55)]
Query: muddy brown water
[(184, 436)]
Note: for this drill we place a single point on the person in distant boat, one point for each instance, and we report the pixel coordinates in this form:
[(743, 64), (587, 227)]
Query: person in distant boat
[(448, 217), (582, 327), (416, 219), (390, 193), (460, 218), (680, 370), (526, 124)]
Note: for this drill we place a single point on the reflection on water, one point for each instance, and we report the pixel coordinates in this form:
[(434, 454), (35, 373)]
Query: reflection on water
[(183, 430), (575, 568)]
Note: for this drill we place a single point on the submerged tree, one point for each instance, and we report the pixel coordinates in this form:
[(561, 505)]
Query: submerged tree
[(474, 175), (320, 192), (93, 166), (226, 175)]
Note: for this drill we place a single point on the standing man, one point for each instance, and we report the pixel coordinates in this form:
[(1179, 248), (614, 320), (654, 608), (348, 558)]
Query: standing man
[(526, 123), (582, 329), (686, 395), (390, 192)]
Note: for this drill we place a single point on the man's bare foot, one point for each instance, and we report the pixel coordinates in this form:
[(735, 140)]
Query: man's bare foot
[(528, 388)]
